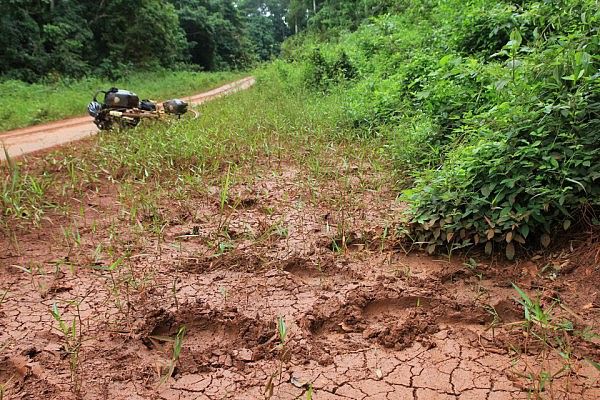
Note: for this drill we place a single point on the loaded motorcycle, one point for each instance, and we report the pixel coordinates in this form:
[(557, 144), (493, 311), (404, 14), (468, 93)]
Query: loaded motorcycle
[(123, 109)]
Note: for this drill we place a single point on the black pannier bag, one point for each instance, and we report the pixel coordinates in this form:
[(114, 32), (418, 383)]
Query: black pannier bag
[(147, 105), (175, 106), (116, 98)]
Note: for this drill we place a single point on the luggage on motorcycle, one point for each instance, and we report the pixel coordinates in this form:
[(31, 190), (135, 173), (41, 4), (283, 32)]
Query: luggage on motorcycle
[(147, 105), (175, 106), (116, 98)]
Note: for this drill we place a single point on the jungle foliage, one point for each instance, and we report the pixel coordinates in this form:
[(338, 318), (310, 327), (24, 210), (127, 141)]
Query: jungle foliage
[(53, 39), (491, 107)]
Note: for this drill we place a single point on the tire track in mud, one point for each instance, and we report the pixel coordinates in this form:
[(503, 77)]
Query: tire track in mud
[(23, 141)]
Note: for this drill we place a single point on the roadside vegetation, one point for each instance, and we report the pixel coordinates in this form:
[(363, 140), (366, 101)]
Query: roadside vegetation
[(490, 109), (187, 155)]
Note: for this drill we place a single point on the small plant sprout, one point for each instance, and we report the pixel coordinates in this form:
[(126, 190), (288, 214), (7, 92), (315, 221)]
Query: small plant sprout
[(177, 347), (224, 293), (534, 312), (225, 185), (72, 340), (384, 237), (309, 392), (495, 318), (281, 331)]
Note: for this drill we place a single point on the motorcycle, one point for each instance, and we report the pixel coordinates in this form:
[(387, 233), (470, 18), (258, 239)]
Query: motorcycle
[(123, 109)]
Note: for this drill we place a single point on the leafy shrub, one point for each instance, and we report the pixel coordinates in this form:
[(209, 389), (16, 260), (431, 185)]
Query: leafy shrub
[(486, 30), (321, 74), (531, 171), (490, 107)]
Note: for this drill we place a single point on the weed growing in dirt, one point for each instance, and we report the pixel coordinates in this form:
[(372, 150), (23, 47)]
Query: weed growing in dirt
[(72, 238), (282, 333), (553, 335), (177, 347), (309, 392), (224, 193), (21, 194), (114, 284), (224, 293), (534, 312), (72, 339)]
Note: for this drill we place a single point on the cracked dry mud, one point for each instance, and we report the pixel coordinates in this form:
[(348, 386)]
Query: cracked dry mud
[(365, 320)]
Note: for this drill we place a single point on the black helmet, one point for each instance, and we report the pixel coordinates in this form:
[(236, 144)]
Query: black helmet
[(94, 108)]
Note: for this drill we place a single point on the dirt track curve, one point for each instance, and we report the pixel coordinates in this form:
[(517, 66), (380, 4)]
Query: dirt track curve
[(39, 137)]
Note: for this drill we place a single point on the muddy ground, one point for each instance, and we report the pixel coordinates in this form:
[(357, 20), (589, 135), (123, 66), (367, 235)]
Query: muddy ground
[(364, 318)]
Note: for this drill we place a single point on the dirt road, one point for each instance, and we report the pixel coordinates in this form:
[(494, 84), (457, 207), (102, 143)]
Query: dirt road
[(35, 138)]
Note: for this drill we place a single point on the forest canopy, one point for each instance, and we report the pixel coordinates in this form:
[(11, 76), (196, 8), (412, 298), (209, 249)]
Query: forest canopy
[(75, 38)]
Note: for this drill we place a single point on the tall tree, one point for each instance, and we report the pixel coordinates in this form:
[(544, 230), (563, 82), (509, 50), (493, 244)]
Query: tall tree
[(215, 32), (144, 32), (266, 25)]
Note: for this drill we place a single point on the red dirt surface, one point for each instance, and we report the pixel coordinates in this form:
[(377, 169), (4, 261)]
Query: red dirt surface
[(365, 319), (40, 137)]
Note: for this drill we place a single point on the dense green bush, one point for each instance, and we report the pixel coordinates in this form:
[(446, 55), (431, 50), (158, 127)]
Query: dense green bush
[(529, 163), (491, 107)]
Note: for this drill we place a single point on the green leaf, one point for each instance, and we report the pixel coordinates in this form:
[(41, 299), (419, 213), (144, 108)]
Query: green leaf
[(486, 190), (524, 229), (445, 60), (525, 302), (567, 224)]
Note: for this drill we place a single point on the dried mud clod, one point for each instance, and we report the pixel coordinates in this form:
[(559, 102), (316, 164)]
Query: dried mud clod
[(390, 318), (213, 339), (19, 374)]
